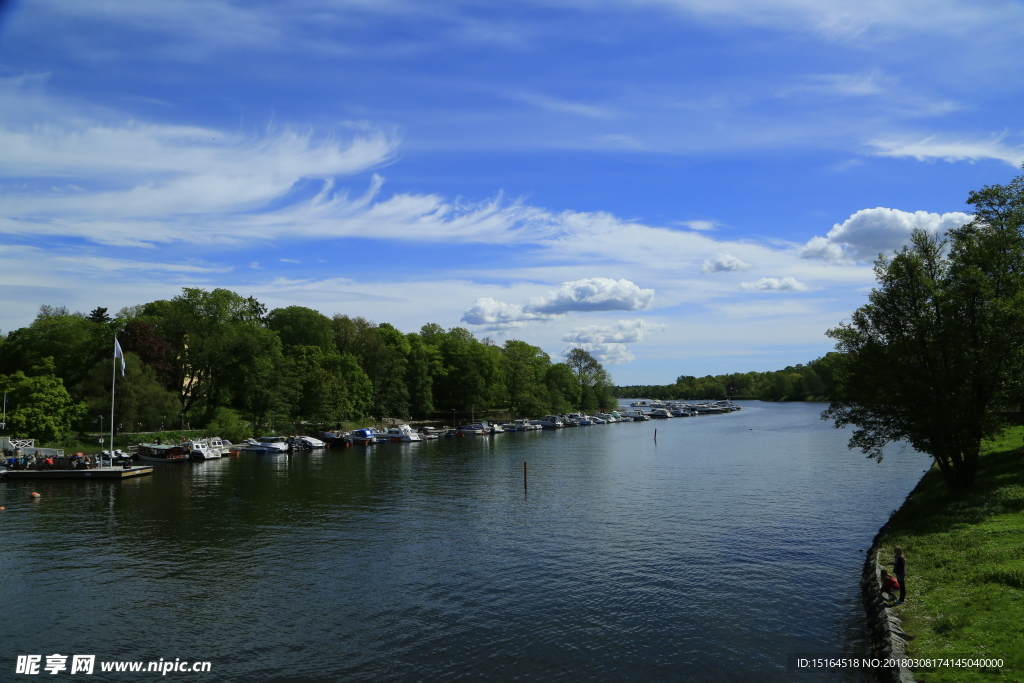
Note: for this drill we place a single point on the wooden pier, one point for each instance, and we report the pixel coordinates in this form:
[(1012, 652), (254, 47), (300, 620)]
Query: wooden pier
[(82, 473)]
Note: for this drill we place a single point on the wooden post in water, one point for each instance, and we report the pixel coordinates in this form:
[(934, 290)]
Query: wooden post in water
[(655, 435), (524, 477)]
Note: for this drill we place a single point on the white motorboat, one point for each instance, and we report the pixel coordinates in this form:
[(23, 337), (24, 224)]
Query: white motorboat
[(201, 449), (492, 428), (550, 422), (274, 443), (402, 433), (431, 433), (305, 443), (265, 444), (524, 425)]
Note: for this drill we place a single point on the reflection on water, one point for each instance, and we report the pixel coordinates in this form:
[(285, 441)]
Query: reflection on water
[(708, 555)]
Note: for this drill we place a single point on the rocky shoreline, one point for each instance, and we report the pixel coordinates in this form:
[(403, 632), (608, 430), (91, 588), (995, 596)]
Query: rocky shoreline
[(885, 632)]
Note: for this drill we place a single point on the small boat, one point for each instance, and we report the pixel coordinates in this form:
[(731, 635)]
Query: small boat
[(331, 438), (550, 422), (431, 433), (363, 437), (305, 443), (201, 449), (402, 433), (523, 425), (492, 428), (163, 452), (475, 429), (265, 444)]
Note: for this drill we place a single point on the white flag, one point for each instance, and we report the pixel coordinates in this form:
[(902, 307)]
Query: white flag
[(119, 354)]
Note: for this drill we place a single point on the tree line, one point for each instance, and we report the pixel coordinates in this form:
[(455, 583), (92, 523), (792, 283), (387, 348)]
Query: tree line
[(814, 381), (215, 359)]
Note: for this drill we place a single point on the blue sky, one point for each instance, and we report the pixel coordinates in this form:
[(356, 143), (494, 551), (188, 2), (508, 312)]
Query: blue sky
[(681, 186)]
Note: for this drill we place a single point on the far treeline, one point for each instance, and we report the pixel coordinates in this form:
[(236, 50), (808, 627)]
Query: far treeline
[(221, 361), (812, 382)]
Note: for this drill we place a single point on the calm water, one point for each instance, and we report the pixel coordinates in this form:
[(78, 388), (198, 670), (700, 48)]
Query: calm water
[(708, 556)]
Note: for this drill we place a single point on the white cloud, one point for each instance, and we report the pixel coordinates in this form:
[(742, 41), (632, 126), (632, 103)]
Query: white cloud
[(933, 147), (623, 332), (593, 294), (587, 295), (606, 354), (774, 284), (870, 232), (702, 226), (497, 315), (724, 262)]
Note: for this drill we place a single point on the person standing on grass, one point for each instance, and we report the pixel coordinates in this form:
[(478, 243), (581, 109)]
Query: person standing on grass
[(899, 568)]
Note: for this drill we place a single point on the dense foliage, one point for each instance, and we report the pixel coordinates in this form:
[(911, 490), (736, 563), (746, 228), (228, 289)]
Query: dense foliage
[(812, 382), (215, 358)]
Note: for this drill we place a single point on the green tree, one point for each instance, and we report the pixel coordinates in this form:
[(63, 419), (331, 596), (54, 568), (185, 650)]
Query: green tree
[(221, 350), (933, 357), (523, 368), (593, 380), (38, 405), (142, 402), (419, 376), (73, 342), (301, 326), (99, 315), (563, 388)]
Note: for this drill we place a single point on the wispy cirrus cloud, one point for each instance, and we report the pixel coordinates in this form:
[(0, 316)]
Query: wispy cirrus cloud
[(945, 148)]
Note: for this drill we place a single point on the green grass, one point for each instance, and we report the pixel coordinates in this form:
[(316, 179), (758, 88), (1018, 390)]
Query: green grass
[(965, 566)]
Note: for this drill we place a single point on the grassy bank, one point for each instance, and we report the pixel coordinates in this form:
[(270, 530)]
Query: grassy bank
[(965, 559)]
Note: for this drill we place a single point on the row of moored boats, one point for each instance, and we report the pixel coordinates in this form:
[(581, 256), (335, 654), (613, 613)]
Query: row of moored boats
[(215, 447)]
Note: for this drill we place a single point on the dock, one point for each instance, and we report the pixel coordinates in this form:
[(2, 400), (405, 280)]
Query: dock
[(105, 473)]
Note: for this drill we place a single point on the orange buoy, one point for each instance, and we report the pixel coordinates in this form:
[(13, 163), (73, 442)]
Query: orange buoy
[(2, 507), (33, 495)]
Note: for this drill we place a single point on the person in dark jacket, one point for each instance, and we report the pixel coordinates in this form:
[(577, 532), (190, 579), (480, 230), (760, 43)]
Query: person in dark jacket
[(899, 568)]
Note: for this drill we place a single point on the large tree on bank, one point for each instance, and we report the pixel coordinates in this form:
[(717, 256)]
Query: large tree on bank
[(935, 357)]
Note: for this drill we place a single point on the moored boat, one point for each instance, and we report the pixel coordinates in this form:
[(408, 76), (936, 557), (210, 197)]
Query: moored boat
[(304, 443), (402, 432), (202, 449), (363, 437), (162, 452)]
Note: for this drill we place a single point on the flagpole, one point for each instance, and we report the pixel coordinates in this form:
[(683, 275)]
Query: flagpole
[(113, 385)]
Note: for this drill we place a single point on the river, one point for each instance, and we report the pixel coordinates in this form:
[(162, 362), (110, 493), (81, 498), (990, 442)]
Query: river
[(705, 556)]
